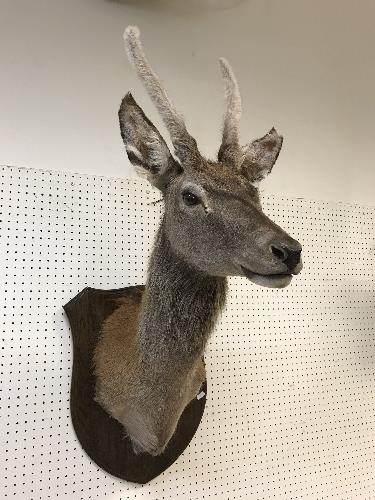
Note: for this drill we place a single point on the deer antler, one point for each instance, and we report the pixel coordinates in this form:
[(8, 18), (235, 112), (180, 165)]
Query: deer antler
[(185, 145), (230, 149)]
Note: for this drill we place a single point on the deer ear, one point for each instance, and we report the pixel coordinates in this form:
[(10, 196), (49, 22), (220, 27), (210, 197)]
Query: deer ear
[(145, 147), (260, 156)]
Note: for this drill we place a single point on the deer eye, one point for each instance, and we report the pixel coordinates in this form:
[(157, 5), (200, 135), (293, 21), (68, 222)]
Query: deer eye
[(190, 199)]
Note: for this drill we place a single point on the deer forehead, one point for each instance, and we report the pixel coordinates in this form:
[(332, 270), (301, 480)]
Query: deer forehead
[(215, 175)]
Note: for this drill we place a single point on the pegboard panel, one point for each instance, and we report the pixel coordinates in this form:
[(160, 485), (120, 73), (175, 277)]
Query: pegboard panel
[(291, 404)]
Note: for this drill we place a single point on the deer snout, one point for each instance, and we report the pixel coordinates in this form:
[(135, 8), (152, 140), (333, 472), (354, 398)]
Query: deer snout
[(288, 255)]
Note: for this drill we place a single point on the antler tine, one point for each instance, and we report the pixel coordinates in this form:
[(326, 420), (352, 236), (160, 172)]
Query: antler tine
[(230, 149), (184, 144)]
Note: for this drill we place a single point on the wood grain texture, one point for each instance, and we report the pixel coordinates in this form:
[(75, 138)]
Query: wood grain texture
[(101, 436)]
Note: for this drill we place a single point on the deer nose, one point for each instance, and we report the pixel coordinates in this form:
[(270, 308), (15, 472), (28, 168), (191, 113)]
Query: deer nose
[(289, 256)]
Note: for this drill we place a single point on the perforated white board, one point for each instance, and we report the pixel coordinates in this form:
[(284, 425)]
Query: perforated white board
[(291, 373)]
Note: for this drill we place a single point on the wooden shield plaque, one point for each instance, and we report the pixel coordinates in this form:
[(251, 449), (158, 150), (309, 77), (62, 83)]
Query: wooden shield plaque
[(100, 435)]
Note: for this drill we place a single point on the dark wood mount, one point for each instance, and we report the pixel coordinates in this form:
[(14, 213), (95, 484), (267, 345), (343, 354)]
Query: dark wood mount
[(100, 435)]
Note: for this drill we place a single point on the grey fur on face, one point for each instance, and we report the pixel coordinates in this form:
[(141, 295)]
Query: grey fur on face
[(225, 232)]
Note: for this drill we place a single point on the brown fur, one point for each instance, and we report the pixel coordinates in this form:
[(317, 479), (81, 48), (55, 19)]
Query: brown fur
[(127, 387)]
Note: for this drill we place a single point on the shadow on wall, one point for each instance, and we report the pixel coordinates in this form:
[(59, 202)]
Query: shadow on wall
[(193, 7)]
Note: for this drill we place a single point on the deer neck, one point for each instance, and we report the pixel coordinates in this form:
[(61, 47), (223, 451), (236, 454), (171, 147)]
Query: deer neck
[(179, 309)]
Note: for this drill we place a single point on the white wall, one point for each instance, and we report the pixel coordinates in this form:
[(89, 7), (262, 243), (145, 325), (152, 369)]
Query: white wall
[(305, 67)]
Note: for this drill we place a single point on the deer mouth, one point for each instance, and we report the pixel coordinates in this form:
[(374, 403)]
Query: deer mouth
[(268, 280)]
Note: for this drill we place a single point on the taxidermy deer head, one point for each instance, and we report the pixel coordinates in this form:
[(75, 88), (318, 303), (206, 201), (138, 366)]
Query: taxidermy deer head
[(148, 362), (213, 215)]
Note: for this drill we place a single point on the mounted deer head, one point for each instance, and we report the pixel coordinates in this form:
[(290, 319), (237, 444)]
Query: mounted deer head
[(149, 359), (213, 215)]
